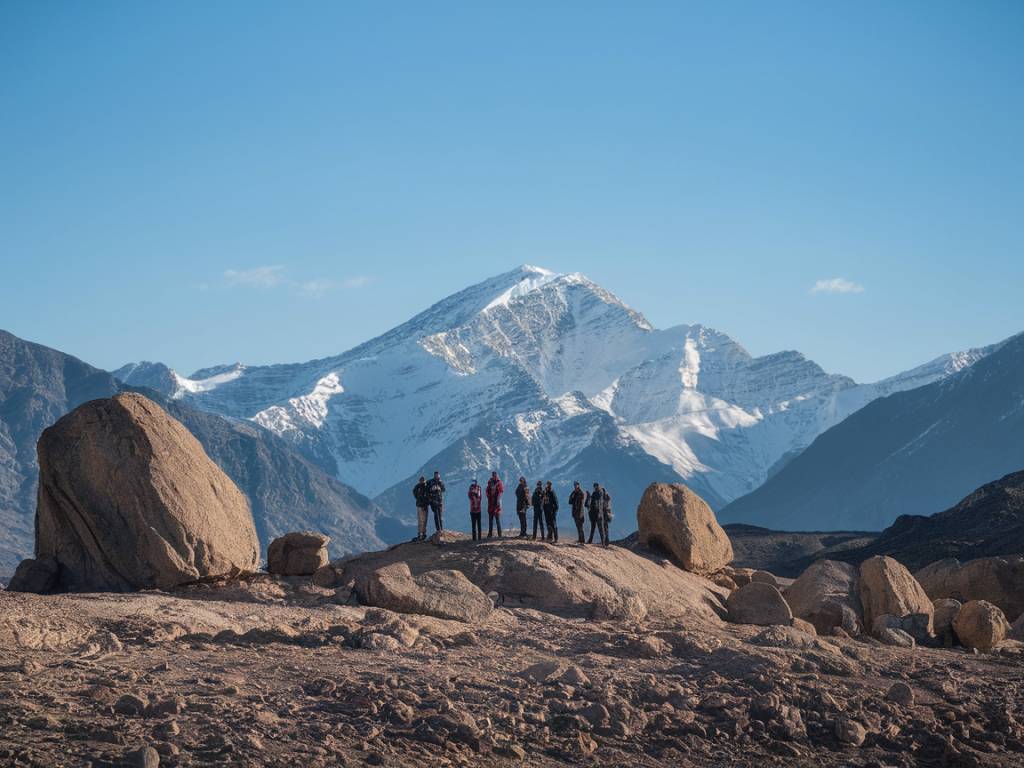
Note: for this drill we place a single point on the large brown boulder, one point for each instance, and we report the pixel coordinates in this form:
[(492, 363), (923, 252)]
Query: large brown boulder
[(981, 625), (886, 587), (999, 580), (129, 500), (827, 595), (673, 518), (758, 603), (297, 554), (445, 594)]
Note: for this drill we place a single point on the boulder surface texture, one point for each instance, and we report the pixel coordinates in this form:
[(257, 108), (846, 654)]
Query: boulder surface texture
[(758, 603), (981, 625), (297, 554), (444, 594), (827, 595), (675, 519), (999, 580), (129, 500), (886, 587)]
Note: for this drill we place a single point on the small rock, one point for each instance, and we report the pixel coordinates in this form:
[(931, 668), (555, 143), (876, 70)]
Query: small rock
[(131, 705), (143, 757), (758, 603), (900, 693), (849, 731)]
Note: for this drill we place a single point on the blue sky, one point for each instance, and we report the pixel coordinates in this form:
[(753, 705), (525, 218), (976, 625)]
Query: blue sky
[(200, 183)]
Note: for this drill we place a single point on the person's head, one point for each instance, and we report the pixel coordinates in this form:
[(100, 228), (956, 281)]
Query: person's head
[(494, 475), (522, 480), (423, 479), (437, 475), (597, 486), (474, 483), (540, 484), (576, 484), (548, 484)]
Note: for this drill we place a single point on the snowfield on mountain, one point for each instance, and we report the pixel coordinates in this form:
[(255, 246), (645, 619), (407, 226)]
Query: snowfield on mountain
[(549, 376)]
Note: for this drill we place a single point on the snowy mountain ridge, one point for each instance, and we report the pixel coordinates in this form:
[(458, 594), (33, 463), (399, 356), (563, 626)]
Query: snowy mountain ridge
[(544, 374)]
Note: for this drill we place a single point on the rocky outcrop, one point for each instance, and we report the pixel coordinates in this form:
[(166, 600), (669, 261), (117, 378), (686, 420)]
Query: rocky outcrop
[(758, 603), (673, 518), (40, 576), (827, 595), (579, 582), (999, 580), (129, 500), (297, 554), (981, 625), (444, 594), (886, 587)]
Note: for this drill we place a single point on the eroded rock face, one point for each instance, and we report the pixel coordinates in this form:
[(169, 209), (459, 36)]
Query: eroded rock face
[(886, 587), (674, 518), (444, 594), (758, 603), (32, 575), (297, 554), (981, 625), (827, 595), (946, 609), (129, 500), (999, 580)]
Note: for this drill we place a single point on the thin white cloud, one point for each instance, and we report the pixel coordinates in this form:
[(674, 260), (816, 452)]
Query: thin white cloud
[(837, 285), (257, 277)]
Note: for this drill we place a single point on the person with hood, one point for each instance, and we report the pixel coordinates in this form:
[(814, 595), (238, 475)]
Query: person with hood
[(537, 499), (577, 501), (522, 505), (474, 510), (435, 494), (551, 511), (595, 509), (419, 493), (494, 490)]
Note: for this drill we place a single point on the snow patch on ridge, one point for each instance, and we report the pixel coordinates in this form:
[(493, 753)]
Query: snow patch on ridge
[(208, 384)]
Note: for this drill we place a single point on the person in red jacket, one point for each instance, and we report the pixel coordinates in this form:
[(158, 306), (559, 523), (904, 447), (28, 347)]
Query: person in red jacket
[(474, 510), (494, 490)]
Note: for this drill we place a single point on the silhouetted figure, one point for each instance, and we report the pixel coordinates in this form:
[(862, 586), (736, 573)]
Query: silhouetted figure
[(577, 501), (522, 505), (494, 490), (475, 495), (537, 499), (435, 494), (551, 511), (419, 493)]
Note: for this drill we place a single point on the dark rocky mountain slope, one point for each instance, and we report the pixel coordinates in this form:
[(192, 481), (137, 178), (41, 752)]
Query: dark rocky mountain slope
[(907, 454), (38, 385)]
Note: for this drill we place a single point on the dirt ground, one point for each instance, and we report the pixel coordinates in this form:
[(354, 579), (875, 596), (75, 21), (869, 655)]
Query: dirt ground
[(277, 673)]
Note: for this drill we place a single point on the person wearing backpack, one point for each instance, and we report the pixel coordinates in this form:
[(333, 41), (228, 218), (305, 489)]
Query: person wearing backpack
[(551, 512), (419, 493), (577, 500), (537, 499), (494, 490), (522, 505), (474, 510), (435, 494)]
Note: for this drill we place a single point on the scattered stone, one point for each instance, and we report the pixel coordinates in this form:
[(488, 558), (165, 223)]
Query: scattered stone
[(131, 705), (900, 693), (442, 593), (297, 554), (827, 594), (981, 625), (765, 578), (758, 603), (650, 647), (849, 731), (144, 757), (895, 637), (673, 518), (886, 587), (804, 626), (998, 580)]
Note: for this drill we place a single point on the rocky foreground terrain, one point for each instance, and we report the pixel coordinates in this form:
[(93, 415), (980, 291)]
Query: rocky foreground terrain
[(142, 634), (278, 671)]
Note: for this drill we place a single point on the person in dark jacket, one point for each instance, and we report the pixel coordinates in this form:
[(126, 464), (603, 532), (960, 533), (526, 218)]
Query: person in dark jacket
[(605, 517), (419, 493), (551, 511), (537, 499), (494, 490), (435, 495), (577, 501), (595, 510), (475, 495), (522, 505)]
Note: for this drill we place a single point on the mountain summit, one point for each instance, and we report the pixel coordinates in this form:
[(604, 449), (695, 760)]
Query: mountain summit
[(543, 374)]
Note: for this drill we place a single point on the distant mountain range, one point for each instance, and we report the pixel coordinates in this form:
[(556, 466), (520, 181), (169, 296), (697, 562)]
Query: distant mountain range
[(548, 376), (910, 453), (287, 492), (531, 373)]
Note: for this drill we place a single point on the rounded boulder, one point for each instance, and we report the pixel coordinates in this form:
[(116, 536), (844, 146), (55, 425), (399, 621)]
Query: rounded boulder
[(673, 518)]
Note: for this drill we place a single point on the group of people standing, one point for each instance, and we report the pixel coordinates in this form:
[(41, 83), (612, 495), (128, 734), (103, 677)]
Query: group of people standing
[(595, 504)]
